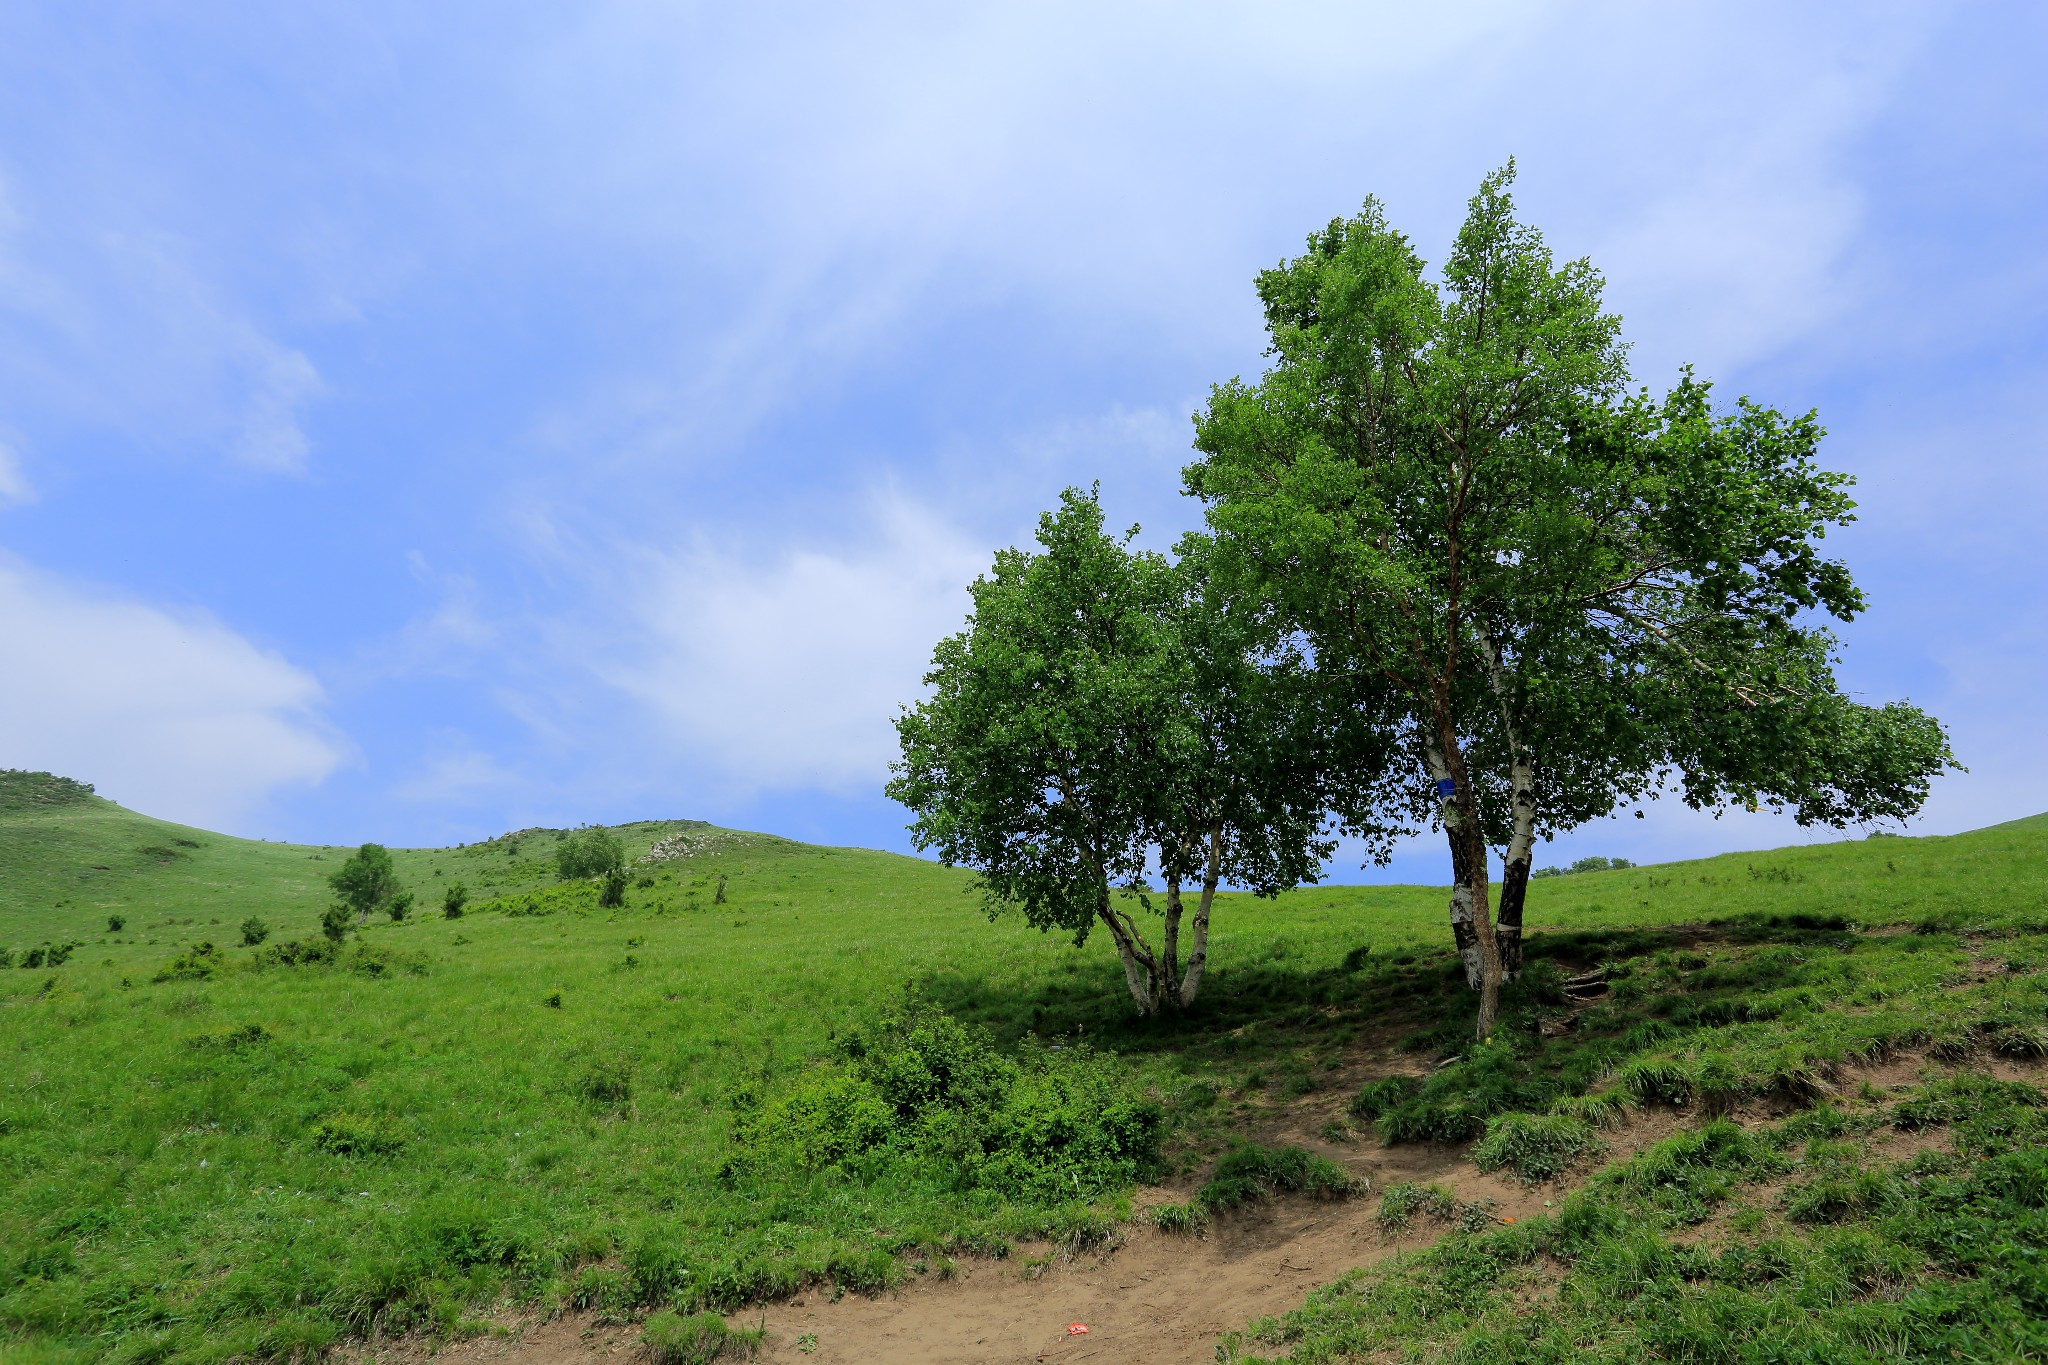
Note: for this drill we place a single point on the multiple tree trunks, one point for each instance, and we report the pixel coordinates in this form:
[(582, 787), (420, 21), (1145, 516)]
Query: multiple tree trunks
[(1157, 981)]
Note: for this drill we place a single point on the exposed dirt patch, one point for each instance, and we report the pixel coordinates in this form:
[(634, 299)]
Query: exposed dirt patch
[(1153, 1298)]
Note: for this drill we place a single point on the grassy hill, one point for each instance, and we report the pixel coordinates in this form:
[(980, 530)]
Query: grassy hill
[(256, 1150)]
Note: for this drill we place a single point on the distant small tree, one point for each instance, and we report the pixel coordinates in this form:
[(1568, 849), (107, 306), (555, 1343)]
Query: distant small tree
[(453, 899), (334, 922), (590, 851), (367, 882), (399, 906), (614, 891), (115, 924), (254, 931)]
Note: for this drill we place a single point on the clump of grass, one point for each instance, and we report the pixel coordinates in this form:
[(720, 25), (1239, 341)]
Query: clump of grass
[(1402, 1203), (1382, 1096), (1535, 1147), (1188, 1219), (1249, 1171), (672, 1339)]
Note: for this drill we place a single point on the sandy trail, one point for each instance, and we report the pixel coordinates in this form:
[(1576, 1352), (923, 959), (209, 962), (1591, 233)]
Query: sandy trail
[(1153, 1299)]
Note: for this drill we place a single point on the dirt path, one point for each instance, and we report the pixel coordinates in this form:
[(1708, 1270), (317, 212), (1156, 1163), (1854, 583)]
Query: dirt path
[(1154, 1299)]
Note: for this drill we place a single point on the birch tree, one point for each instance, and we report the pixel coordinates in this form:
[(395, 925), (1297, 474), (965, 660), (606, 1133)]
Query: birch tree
[(1108, 714), (1569, 595)]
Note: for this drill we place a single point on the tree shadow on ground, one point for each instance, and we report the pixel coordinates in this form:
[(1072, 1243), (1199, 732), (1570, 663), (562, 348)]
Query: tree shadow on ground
[(1284, 1020)]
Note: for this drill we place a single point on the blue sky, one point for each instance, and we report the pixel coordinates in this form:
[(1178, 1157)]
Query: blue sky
[(423, 421)]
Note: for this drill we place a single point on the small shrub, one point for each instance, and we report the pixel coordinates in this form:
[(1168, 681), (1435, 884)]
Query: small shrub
[(453, 899), (1602, 1109), (314, 952), (1249, 1171), (614, 892), (589, 851), (116, 923), (196, 964), (1535, 1146), (399, 906), (334, 922), (718, 897), (254, 931), (553, 1000)]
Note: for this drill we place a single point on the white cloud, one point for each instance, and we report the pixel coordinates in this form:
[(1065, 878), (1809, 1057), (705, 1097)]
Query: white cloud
[(14, 485), (169, 713), (789, 674)]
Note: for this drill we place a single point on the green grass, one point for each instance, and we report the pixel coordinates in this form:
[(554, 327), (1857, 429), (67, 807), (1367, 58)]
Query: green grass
[(545, 1101)]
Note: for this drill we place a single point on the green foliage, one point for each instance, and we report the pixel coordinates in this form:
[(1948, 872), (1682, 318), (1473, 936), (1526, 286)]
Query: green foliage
[(453, 898), (1108, 712), (614, 892), (1595, 863), (334, 923), (1189, 1219), (1942, 1256), (359, 1135), (1535, 1146), (23, 792), (367, 882), (1382, 1096), (116, 923), (1449, 487), (509, 1185), (399, 906), (254, 931), (590, 851), (195, 964), (918, 1090), (1249, 1171), (699, 1339)]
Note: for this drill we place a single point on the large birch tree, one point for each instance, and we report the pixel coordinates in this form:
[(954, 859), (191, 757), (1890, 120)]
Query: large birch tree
[(1565, 595)]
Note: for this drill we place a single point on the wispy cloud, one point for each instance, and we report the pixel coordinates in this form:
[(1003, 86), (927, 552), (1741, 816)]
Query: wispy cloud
[(168, 712)]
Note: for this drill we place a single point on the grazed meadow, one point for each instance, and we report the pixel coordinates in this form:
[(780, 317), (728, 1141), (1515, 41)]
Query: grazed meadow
[(258, 1151)]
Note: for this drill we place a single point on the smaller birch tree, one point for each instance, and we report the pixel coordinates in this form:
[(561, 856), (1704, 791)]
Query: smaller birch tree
[(1109, 714)]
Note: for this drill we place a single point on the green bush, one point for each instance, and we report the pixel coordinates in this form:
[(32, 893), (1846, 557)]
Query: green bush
[(399, 906), (1535, 1146), (195, 964), (614, 892), (116, 923), (921, 1093), (1249, 1171), (254, 931), (589, 851), (453, 899), (334, 922)]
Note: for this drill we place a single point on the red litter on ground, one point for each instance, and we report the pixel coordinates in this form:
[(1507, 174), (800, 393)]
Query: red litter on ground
[(1077, 1329)]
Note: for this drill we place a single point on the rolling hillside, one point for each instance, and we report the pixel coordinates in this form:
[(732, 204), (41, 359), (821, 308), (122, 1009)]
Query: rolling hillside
[(258, 1151)]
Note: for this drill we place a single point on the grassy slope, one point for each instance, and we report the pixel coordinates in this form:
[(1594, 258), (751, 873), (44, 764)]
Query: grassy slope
[(166, 1201)]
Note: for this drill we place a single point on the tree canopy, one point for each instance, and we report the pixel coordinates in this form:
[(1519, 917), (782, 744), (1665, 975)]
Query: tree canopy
[(367, 882), (590, 851), (1111, 713), (1562, 595)]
